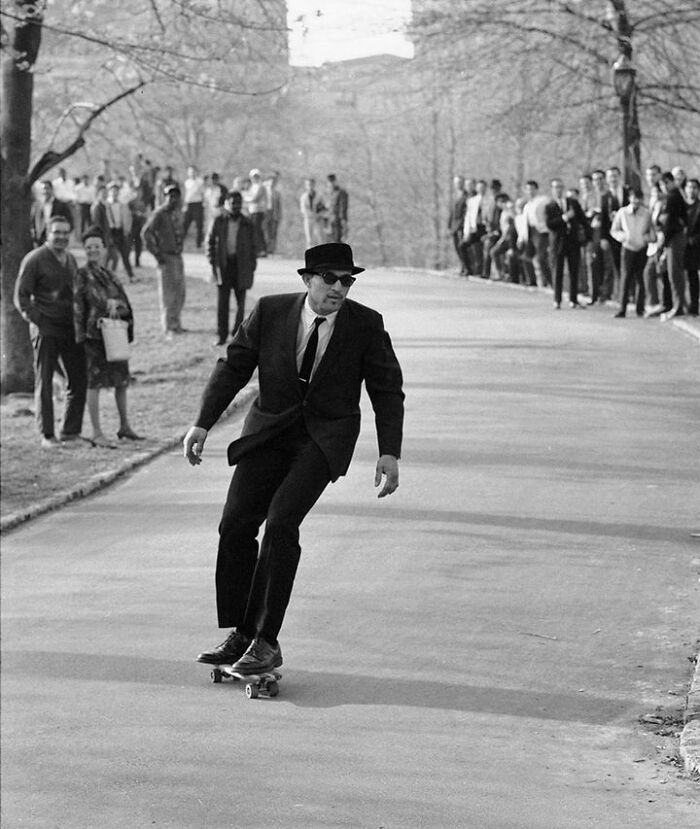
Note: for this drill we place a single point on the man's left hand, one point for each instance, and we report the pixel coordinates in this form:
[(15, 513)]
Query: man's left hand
[(389, 466)]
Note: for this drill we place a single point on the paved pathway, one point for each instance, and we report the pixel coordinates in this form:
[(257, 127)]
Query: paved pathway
[(474, 651)]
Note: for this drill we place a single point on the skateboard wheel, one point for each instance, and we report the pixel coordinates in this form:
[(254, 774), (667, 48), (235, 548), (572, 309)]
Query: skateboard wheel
[(251, 691), (273, 688), (216, 675)]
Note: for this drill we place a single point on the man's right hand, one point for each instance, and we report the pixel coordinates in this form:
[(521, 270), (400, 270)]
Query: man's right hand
[(193, 444)]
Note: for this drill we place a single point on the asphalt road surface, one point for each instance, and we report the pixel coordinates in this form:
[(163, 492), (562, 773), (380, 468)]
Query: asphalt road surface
[(474, 651)]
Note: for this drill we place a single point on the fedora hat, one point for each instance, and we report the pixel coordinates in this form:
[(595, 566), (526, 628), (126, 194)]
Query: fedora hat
[(334, 256)]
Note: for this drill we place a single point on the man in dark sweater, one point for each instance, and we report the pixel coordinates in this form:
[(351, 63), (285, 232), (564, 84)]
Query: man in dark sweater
[(44, 297)]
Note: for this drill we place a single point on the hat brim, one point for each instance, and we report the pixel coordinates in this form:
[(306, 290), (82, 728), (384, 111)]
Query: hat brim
[(330, 267)]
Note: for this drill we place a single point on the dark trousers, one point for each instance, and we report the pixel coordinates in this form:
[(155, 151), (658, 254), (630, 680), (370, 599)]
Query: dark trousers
[(84, 217), (540, 244), (693, 290), (258, 220), (473, 253), (632, 264), (271, 227), (457, 242), (136, 241), (277, 483), (229, 280), (566, 251), (119, 249), (48, 351), (194, 212)]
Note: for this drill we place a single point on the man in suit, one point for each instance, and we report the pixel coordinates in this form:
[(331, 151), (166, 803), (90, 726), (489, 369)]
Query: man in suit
[(692, 249), (313, 350), (336, 201), (45, 208), (119, 219), (455, 222), (567, 225), (231, 252)]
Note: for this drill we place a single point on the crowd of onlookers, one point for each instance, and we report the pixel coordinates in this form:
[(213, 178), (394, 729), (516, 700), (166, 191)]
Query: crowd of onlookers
[(603, 239)]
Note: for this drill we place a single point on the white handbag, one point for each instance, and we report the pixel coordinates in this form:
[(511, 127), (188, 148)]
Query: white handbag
[(115, 335)]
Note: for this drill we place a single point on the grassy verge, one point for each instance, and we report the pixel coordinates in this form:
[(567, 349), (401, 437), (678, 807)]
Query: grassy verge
[(168, 379)]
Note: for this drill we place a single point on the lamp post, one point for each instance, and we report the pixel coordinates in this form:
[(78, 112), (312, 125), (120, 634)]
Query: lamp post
[(624, 76)]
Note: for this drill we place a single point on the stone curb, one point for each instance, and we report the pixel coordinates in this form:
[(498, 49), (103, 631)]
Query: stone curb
[(100, 481), (690, 736)]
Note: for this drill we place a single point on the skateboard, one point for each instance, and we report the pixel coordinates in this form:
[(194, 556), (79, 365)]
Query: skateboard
[(266, 683)]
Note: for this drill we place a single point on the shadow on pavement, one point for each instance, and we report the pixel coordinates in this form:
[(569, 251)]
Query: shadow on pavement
[(324, 689)]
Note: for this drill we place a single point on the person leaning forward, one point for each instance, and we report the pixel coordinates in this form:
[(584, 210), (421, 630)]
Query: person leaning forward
[(313, 351)]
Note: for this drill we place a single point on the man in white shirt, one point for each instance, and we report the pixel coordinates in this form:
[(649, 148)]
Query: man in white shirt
[(311, 208), (633, 229), (475, 230), (534, 212), (119, 219), (193, 207), (255, 200), (84, 197)]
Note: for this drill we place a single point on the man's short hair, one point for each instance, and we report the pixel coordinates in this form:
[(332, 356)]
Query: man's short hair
[(598, 172), (502, 197), (693, 181), (654, 167), (556, 180), (56, 219), (586, 176), (532, 183), (637, 191), (668, 177), (613, 169), (495, 184), (331, 176)]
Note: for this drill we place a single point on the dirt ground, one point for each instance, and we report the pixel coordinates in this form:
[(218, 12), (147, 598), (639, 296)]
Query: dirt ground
[(168, 377)]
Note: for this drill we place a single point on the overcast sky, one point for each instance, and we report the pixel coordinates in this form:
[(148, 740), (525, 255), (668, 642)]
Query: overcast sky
[(346, 29)]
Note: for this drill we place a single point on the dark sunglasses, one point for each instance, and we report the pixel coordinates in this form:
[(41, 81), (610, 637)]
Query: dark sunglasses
[(330, 279)]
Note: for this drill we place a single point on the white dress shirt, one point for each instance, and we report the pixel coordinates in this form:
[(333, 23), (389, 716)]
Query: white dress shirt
[(305, 330)]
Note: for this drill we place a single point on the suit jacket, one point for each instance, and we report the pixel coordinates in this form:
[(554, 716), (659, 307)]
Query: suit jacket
[(359, 350), (692, 250), (455, 223), (98, 217), (563, 233), (38, 221), (217, 250)]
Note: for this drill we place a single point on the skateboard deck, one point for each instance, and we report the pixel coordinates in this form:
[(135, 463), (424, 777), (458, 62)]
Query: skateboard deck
[(266, 683)]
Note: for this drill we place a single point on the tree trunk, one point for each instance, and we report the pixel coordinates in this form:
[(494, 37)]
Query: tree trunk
[(15, 191)]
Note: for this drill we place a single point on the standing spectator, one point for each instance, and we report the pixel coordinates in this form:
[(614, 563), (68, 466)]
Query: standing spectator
[(679, 177), (524, 246), (45, 208), (163, 237), (64, 190), (98, 293), (213, 199), (336, 202), (194, 204), (455, 222), (44, 297), (311, 206), (98, 214), (119, 218), (474, 230), (534, 211), (586, 200), (231, 252), (255, 200), (692, 250), (273, 217), (84, 197), (504, 246), (656, 268), (633, 229), (138, 207), (673, 222), (167, 179), (566, 222), (619, 191), (491, 212), (599, 221)]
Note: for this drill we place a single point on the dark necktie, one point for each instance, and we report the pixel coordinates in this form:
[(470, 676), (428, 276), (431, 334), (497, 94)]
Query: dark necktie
[(307, 362)]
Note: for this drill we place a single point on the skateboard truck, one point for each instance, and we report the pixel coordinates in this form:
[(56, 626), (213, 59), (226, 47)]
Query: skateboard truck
[(265, 684)]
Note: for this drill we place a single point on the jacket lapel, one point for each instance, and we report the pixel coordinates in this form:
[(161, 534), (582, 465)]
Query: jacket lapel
[(291, 329)]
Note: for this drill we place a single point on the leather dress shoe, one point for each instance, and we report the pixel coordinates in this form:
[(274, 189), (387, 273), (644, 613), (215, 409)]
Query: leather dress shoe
[(259, 657), (228, 652)]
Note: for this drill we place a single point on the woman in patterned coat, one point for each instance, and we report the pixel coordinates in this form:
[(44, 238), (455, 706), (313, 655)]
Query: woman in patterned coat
[(98, 293)]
